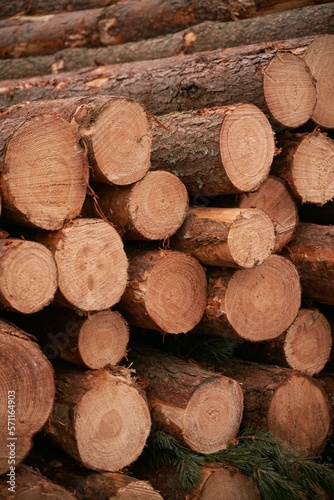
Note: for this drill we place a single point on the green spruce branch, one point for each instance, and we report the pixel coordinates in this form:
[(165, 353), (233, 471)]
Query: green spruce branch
[(278, 472)]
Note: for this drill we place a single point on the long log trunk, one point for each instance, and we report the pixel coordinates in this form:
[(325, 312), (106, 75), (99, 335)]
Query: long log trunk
[(44, 170), (151, 209), (116, 132), (218, 481), (37, 7), (320, 59), (291, 405), (96, 341), (166, 291), (231, 237), (312, 252), (306, 163), (304, 346), (209, 35), (252, 304), (201, 409), (215, 151), (275, 199), (100, 418), (28, 277), (26, 401), (289, 90), (28, 483), (217, 78), (92, 264)]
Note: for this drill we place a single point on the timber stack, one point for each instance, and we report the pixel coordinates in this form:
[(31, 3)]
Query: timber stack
[(167, 186)]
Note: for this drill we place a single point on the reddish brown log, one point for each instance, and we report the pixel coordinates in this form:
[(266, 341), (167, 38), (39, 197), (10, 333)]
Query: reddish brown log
[(209, 35), (231, 237), (306, 163), (200, 408), (99, 418), (304, 346), (217, 78), (151, 209), (31, 7), (312, 252), (116, 132), (291, 405), (320, 59), (92, 264), (166, 291), (275, 199), (252, 304), (44, 170), (29, 483), (215, 151), (289, 90), (27, 394), (28, 275)]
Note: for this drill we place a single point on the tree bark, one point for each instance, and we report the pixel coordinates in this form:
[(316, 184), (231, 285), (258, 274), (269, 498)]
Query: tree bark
[(276, 200), (230, 237), (320, 59), (180, 82), (166, 291), (26, 402), (43, 170), (28, 277), (116, 132), (151, 209), (306, 163), (312, 252), (304, 346), (38, 7), (92, 264), (252, 304), (287, 403), (209, 35), (197, 406), (29, 483), (289, 90), (99, 418), (210, 149)]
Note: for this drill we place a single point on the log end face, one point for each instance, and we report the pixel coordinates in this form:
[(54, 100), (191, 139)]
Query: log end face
[(108, 418), (289, 90), (213, 415), (246, 146), (121, 142), (251, 238), (299, 415), (158, 205), (46, 173), (262, 302), (232, 482)]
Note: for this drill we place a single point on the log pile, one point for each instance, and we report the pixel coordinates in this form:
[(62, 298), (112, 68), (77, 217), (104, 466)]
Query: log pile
[(178, 196)]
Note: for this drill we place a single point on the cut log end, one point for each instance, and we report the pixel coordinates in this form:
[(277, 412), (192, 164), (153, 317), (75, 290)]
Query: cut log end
[(176, 293), (287, 411), (103, 339), (319, 58), (261, 303), (276, 201), (289, 90), (246, 146), (112, 415), (121, 141), (28, 277), (158, 205), (312, 169), (92, 265), (46, 173), (213, 415), (308, 342), (251, 238), (228, 483)]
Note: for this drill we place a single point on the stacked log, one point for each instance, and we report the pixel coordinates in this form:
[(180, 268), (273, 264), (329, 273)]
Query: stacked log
[(106, 239)]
